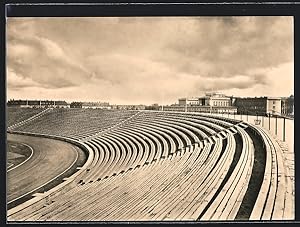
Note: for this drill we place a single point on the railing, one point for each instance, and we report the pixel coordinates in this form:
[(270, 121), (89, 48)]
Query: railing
[(281, 127)]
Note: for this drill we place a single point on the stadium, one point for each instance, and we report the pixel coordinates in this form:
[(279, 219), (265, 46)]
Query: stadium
[(95, 132), (142, 165)]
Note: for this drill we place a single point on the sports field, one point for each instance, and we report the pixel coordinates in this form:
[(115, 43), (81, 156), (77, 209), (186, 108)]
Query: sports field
[(17, 153), (38, 161)]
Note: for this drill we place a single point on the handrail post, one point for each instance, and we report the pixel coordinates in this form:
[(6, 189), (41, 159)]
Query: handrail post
[(284, 129), (256, 116), (276, 125)]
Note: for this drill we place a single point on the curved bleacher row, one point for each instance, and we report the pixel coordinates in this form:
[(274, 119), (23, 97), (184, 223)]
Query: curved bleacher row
[(72, 123), (276, 196), (16, 115), (163, 166)]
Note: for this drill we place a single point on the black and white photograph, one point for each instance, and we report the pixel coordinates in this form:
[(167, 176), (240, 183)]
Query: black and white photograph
[(143, 118)]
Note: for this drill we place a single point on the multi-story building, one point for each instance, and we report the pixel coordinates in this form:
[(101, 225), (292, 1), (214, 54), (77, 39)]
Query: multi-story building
[(128, 107), (76, 105), (258, 105), (17, 103), (215, 99), (287, 106), (95, 105), (212, 102), (210, 99), (189, 101), (61, 104), (38, 103), (154, 106)]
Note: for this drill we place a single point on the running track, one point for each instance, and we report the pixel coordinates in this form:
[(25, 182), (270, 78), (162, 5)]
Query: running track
[(50, 158)]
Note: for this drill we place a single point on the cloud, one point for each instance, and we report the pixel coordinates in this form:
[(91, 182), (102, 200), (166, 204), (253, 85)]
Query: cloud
[(16, 81), (278, 81), (150, 59), (44, 62), (227, 49)]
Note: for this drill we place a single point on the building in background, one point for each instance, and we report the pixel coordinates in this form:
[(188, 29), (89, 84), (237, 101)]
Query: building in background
[(154, 106), (216, 99), (37, 103), (211, 102), (128, 107), (96, 105), (188, 101), (287, 106), (210, 99), (258, 105), (76, 105), (17, 103), (62, 104)]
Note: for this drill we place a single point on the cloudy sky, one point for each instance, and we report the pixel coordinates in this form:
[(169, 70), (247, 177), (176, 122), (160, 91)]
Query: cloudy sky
[(148, 60)]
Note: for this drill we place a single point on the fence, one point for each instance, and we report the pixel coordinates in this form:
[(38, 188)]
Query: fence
[(283, 128)]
